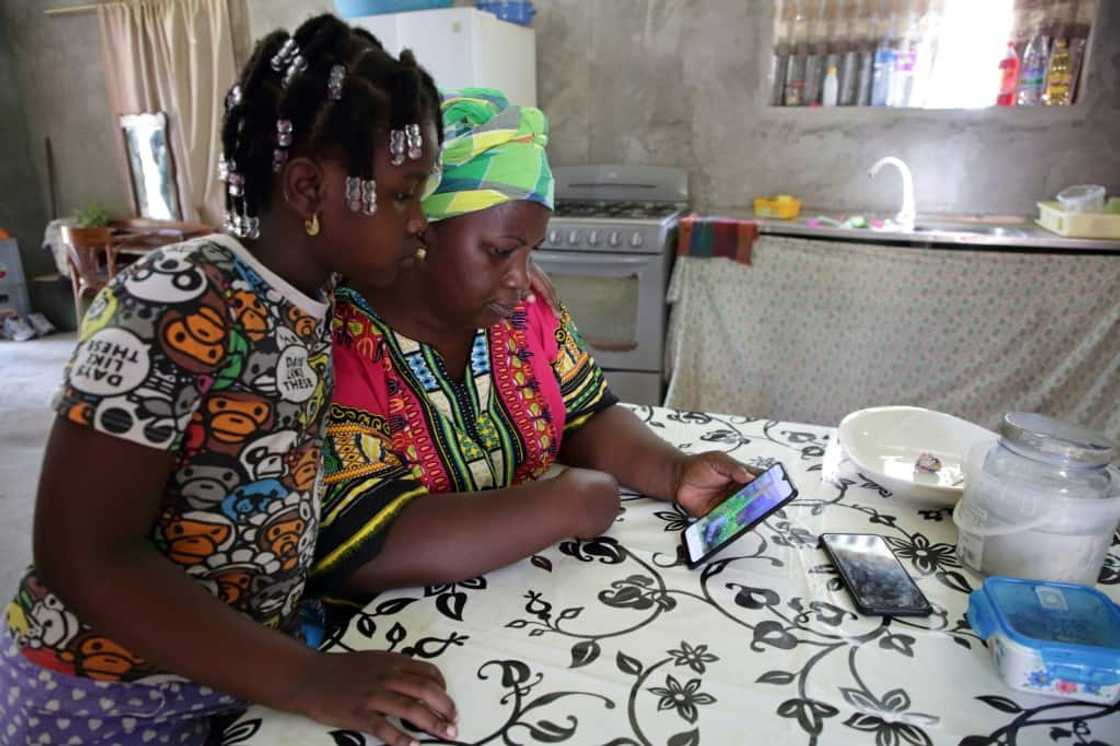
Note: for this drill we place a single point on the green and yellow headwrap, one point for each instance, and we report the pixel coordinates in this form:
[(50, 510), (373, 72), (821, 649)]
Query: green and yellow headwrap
[(493, 153)]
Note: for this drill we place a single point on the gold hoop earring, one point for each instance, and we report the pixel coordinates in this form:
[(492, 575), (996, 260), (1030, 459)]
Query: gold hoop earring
[(311, 225)]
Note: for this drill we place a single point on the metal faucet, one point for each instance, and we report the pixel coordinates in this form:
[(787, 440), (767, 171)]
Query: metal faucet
[(907, 214)]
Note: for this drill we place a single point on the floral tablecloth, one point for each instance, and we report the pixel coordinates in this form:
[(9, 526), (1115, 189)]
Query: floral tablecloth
[(614, 641)]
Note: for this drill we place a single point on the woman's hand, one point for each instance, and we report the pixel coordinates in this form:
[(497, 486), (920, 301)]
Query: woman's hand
[(361, 691), (701, 481)]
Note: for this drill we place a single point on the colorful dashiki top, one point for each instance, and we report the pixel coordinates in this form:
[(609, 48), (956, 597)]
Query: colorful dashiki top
[(401, 425), (199, 350)]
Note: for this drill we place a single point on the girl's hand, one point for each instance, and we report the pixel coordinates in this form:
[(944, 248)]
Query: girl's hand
[(541, 287), (702, 481), (361, 691)]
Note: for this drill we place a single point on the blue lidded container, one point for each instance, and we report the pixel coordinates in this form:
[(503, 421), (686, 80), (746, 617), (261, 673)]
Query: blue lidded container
[(1057, 639)]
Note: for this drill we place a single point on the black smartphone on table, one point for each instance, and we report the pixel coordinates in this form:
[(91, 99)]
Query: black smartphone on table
[(876, 580), (738, 513)]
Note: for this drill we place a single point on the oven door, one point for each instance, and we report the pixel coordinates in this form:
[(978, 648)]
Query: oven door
[(617, 302)]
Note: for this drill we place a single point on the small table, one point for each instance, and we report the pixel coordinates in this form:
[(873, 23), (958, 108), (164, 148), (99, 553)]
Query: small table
[(613, 640), (139, 236)]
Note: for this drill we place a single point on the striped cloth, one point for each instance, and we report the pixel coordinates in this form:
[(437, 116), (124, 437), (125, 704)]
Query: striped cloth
[(493, 153), (702, 236)]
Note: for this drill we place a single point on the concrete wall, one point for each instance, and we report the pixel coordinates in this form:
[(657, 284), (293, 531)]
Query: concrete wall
[(58, 71), (22, 211), (682, 82), (676, 82)]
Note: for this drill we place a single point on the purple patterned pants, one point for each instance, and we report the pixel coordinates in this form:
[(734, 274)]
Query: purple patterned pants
[(40, 706)]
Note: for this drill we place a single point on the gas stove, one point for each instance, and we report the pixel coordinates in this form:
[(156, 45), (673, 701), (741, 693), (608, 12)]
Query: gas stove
[(624, 210), (608, 249), (631, 209)]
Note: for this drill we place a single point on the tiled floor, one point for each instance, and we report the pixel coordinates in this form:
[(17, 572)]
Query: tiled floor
[(29, 374)]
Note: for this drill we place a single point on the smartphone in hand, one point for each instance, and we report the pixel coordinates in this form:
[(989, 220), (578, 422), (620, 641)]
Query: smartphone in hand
[(739, 513)]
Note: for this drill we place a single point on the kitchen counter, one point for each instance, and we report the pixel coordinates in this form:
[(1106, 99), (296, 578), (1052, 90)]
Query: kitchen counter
[(972, 231)]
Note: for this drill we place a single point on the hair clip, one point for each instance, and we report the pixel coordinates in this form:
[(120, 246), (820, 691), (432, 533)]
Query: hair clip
[(369, 197), (353, 193), (396, 147), (279, 158), (241, 225), (281, 59), (334, 82), (415, 141), (297, 66), (284, 132), (236, 184), (233, 98)]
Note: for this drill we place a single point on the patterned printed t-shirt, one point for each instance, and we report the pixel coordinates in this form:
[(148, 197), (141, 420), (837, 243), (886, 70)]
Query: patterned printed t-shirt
[(199, 350)]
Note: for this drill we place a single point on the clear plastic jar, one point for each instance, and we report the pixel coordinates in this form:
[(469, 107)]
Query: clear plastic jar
[(1042, 503)]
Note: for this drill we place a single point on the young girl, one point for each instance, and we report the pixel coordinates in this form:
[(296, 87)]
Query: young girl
[(178, 504)]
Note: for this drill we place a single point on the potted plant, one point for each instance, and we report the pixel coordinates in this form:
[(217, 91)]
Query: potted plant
[(90, 228)]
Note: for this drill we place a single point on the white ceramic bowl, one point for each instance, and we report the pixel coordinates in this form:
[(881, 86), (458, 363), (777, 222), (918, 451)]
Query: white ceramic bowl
[(885, 442)]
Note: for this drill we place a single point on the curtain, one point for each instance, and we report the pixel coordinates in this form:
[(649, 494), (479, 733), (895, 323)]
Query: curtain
[(175, 56)]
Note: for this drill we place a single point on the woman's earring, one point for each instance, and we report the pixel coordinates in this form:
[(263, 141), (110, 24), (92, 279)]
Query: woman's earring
[(421, 254), (311, 225)]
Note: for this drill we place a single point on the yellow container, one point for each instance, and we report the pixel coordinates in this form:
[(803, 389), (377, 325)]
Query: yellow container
[(1105, 224), (780, 206)]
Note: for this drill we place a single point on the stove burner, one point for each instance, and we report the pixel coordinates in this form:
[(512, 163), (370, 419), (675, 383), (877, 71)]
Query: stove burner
[(607, 209)]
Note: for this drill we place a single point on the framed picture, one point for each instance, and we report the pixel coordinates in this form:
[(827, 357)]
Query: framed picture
[(151, 166)]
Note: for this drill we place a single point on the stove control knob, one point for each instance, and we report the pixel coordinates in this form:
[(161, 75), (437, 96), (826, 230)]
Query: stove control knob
[(554, 236), (593, 238), (636, 240), (573, 237), (613, 239)]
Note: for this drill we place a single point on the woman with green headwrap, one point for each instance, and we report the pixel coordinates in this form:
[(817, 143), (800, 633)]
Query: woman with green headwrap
[(456, 391)]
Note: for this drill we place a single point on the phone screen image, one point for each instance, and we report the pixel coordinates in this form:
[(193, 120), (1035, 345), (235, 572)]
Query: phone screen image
[(756, 500), (878, 582)]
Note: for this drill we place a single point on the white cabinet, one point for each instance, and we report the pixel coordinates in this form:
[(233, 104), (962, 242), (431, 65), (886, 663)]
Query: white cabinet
[(463, 47)]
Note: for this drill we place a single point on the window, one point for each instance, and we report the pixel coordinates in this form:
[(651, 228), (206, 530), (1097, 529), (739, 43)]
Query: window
[(931, 54)]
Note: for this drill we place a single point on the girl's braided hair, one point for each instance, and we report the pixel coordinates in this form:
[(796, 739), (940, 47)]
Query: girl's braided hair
[(377, 91)]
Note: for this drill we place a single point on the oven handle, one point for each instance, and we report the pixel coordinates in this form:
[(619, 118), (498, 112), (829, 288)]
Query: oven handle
[(613, 264), (599, 344)]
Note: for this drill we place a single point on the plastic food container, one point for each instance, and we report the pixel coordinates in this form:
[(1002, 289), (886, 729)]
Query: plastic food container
[(1082, 198), (1104, 224), (1056, 639), (358, 8), (781, 206)]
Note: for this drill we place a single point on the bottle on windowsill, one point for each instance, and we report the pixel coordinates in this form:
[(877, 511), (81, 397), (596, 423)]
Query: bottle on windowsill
[(1009, 77)]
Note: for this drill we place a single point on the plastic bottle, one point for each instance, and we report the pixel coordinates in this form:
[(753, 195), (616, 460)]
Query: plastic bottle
[(849, 64), (1058, 83), (795, 65), (779, 62), (1032, 74), (905, 59), (831, 90), (881, 69), (929, 14), (1009, 80), (1079, 38), (818, 51)]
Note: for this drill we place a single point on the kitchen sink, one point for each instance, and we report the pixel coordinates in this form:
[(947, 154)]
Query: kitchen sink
[(980, 230)]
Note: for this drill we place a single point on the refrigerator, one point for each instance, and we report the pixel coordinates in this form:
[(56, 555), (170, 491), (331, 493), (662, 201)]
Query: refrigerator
[(463, 46)]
